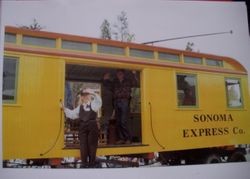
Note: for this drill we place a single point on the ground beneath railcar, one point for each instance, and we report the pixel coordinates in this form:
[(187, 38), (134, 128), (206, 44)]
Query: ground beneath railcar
[(113, 162)]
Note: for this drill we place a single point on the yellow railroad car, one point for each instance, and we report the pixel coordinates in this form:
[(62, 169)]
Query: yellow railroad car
[(187, 105)]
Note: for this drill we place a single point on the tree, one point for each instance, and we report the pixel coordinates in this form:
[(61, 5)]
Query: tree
[(105, 30), (34, 26), (189, 46), (121, 31)]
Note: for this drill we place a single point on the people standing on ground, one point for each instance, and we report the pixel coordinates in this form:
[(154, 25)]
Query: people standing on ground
[(88, 129)]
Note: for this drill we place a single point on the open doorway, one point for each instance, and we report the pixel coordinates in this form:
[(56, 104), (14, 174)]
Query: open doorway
[(79, 77)]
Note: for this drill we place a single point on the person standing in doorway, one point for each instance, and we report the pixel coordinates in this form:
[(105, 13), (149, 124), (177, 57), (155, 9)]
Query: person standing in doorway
[(88, 129), (122, 96), (107, 102)]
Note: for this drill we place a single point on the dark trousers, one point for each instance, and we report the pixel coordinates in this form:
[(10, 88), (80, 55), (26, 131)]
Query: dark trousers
[(88, 135), (106, 115), (122, 114)]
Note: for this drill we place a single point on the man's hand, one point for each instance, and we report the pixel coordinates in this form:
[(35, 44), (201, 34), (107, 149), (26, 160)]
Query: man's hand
[(61, 105), (90, 91), (134, 72)]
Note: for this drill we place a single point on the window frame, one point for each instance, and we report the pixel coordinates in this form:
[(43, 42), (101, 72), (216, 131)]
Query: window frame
[(241, 93), (103, 49), (14, 101), (209, 60), (38, 41), (164, 56), (141, 53), (10, 38), (193, 60), (76, 45), (196, 106)]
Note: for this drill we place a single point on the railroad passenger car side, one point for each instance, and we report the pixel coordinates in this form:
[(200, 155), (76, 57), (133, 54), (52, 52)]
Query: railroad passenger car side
[(186, 106)]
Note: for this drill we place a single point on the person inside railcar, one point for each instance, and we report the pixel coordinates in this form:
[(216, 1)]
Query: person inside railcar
[(107, 102), (123, 84), (189, 97), (88, 128)]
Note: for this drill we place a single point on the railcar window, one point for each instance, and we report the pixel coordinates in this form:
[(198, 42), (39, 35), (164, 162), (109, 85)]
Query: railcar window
[(187, 90), (11, 38), (76, 45), (233, 91), (212, 62), (10, 65), (38, 41), (169, 57), (141, 53), (110, 49), (193, 60)]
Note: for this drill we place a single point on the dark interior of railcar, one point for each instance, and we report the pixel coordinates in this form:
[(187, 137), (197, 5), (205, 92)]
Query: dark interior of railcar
[(79, 77)]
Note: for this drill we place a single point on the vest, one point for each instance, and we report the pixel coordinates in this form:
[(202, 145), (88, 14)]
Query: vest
[(87, 115)]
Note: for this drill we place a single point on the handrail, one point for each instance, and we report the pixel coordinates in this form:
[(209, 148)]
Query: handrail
[(151, 125), (58, 135)]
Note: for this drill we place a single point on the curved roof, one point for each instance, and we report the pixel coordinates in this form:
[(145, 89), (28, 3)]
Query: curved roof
[(58, 44)]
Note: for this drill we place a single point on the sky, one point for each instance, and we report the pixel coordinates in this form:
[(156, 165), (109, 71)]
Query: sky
[(148, 20)]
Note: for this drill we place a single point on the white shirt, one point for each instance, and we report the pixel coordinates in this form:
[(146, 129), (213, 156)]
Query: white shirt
[(95, 106)]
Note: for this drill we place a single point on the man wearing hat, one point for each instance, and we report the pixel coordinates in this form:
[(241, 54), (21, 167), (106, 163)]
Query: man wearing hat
[(88, 129)]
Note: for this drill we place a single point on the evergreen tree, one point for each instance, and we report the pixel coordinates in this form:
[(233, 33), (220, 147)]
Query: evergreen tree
[(189, 46), (105, 30)]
